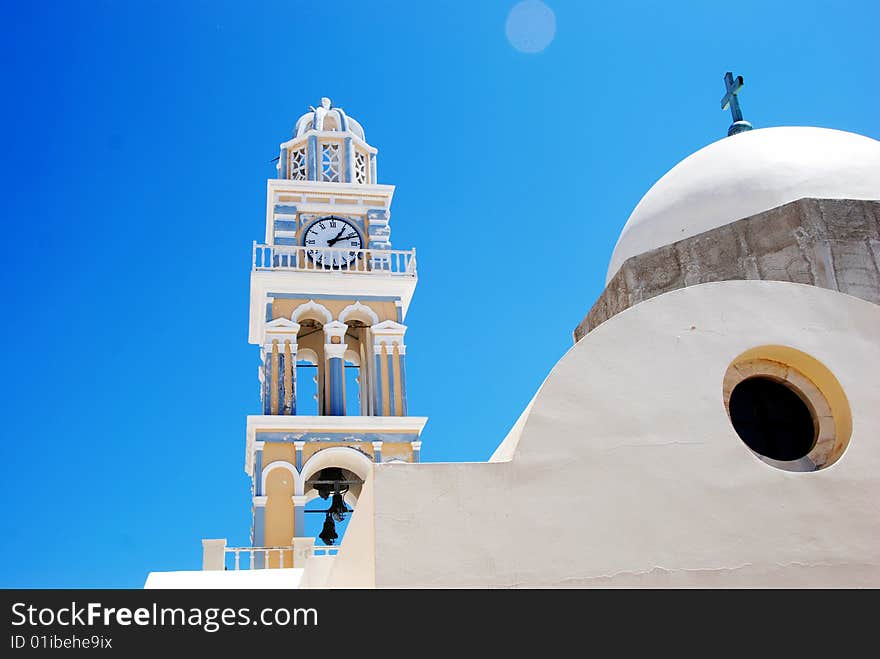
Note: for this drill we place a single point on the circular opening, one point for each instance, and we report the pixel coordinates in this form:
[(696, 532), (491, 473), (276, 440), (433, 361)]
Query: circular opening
[(772, 419)]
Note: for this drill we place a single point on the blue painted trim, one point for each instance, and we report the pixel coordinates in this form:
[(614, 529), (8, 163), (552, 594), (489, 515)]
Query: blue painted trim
[(337, 400), (417, 455), (377, 214), (402, 385), (285, 225), (378, 410), (283, 173), (299, 459), (374, 177), (285, 241), (399, 314), (285, 209), (293, 384), (377, 455), (309, 437), (348, 155), (259, 538), (343, 120), (258, 473), (269, 309), (391, 382), (299, 521), (312, 158)]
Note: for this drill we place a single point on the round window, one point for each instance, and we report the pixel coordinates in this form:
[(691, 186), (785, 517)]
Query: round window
[(787, 408), (772, 419)]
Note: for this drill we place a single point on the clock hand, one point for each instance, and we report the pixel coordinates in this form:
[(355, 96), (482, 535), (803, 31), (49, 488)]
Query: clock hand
[(330, 243)]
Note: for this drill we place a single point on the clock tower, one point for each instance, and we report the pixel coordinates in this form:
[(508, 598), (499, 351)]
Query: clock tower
[(328, 302)]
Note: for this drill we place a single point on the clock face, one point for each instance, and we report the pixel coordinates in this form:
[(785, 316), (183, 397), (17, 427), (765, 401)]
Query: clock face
[(339, 239)]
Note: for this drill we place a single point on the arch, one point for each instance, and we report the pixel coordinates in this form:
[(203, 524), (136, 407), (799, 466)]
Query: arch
[(306, 355), (360, 311), (337, 456), (349, 497), (312, 310), (281, 464), (352, 357)]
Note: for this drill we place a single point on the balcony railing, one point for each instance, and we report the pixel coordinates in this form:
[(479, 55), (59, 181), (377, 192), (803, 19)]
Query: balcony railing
[(301, 258), (258, 558)]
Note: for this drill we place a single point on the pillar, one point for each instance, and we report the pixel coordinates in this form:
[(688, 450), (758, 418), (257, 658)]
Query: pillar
[(401, 362), (392, 398), (313, 159), (258, 535), (334, 360), (348, 160), (282, 164), (265, 377), (289, 377), (299, 514), (377, 451), (377, 381), (214, 554), (258, 471), (417, 450), (273, 381), (388, 351)]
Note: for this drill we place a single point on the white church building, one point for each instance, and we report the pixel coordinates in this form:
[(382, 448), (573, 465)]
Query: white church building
[(717, 417)]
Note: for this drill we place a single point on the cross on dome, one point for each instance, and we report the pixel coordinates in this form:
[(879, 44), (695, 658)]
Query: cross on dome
[(731, 99)]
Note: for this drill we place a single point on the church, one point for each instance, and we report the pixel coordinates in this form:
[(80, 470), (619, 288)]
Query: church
[(716, 422)]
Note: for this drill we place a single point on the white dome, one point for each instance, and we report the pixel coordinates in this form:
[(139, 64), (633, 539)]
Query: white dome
[(326, 117), (746, 174)]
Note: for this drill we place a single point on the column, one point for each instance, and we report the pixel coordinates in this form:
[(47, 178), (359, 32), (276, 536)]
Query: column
[(258, 470), (258, 535), (334, 360), (377, 451), (401, 358), (313, 159), (377, 381), (282, 164), (265, 377), (392, 398), (417, 450), (388, 350), (348, 159), (289, 377), (273, 381), (299, 515)]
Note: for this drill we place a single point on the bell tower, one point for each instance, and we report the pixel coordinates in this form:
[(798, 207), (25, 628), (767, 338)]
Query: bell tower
[(328, 301)]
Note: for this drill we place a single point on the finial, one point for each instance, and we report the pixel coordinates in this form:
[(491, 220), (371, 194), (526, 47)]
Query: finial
[(731, 99), (325, 103)]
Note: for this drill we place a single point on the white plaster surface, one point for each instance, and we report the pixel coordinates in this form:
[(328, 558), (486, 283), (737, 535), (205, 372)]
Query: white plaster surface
[(628, 472), (208, 579), (746, 174)]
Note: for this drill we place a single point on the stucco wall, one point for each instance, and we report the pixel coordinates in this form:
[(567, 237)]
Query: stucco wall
[(628, 472), (832, 243)]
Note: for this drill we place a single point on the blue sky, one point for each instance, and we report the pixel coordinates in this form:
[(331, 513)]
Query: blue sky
[(137, 141)]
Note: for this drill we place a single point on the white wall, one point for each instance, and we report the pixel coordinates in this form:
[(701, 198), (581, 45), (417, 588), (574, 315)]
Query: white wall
[(628, 472)]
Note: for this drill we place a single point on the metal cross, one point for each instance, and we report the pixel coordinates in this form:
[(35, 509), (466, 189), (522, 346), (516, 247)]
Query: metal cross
[(730, 98)]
